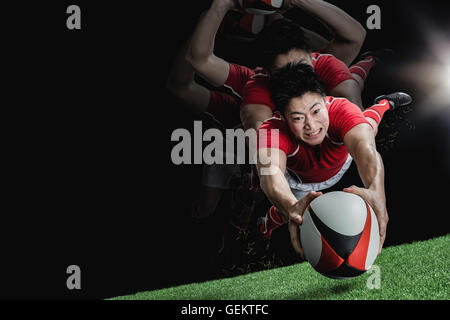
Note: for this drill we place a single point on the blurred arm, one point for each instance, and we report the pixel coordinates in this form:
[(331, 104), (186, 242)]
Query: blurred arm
[(182, 85), (201, 51), (348, 33)]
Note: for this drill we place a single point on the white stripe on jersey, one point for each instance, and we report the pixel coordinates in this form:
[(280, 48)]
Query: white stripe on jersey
[(232, 91)]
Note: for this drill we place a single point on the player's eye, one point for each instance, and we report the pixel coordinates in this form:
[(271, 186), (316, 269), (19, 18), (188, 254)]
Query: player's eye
[(316, 111)]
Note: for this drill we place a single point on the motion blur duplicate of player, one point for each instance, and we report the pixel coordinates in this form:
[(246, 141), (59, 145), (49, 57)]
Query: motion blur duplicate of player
[(311, 145), (348, 39), (284, 42), (198, 56)]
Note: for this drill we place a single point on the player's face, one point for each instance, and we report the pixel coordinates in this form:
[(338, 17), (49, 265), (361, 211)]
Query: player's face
[(307, 117), (293, 56)]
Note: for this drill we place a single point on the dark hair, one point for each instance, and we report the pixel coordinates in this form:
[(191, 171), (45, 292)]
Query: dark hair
[(279, 37), (291, 81)]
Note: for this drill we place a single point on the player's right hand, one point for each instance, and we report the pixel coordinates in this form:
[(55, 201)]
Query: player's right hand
[(296, 219)]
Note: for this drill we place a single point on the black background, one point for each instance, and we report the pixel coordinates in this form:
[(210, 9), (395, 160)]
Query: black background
[(89, 179)]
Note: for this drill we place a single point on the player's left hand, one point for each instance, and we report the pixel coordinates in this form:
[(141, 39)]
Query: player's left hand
[(377, 201)]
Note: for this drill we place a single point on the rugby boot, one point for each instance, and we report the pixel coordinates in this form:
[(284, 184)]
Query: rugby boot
[(396, 99)]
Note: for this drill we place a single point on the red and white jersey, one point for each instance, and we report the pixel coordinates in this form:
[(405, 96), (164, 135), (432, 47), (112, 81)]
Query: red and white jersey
[(224, 103), (238, 76), (331, 71), (314, 163)]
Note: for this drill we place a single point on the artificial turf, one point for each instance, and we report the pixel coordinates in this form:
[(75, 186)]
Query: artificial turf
[(420, 270)]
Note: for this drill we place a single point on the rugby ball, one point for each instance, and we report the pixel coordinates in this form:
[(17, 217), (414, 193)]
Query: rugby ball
[(340, 235)]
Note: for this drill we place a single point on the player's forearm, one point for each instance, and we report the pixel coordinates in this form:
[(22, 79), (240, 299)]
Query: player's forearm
[(370, 167), (277, 190), (203, 39), (251, 122), (253, 115), (181, 74), (343, 27)]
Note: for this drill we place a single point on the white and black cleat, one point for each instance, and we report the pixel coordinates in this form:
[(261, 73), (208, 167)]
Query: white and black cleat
[(396, 99)]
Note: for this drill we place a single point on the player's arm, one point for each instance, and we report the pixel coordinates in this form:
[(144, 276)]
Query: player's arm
[(348, 34), (257, 105), (360, 143), (349, 89), (316, 41), (253, 115), (181, 83), (271, 166), (201, 52)]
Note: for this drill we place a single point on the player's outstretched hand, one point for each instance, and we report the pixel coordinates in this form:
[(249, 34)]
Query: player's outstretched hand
[(296, 219), (377, 201)]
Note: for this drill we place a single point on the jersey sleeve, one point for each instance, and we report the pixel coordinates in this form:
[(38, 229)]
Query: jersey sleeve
[(331, 70), (237, 78), (224, 108), (274, 133), (256, 91), (344, 115)]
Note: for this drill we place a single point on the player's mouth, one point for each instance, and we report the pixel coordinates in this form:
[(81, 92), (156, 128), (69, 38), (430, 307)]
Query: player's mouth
[(314, 134)]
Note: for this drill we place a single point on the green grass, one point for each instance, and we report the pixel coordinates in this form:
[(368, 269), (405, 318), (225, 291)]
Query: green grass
[(420, 270)]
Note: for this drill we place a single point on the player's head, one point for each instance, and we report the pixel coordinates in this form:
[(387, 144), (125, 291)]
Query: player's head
[(282, 42), (298, 93)]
